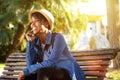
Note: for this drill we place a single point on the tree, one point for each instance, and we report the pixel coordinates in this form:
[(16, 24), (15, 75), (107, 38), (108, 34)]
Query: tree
[(15, 13), (113, 27)]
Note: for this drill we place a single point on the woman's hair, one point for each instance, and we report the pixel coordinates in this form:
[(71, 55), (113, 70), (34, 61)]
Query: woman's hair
[(39, 16), (45, 16)]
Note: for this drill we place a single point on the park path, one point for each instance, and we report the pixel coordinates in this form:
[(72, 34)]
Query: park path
[(1, 70)]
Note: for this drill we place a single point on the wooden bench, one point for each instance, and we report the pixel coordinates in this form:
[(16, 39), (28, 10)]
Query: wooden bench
[(94, 63)]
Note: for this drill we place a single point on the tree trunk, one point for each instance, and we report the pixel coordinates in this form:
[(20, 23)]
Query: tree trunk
[(19, 36), (113, 27)]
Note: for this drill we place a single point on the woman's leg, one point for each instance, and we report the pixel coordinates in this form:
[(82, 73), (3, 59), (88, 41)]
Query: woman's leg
[(31, 77), (53, 74)]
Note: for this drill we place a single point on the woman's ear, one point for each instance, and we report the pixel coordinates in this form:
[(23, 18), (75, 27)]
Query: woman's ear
[(46, 25)]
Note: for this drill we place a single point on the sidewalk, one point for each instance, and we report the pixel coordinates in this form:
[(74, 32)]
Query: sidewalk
[(1, 70)]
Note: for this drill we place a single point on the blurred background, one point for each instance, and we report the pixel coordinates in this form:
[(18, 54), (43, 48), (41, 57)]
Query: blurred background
[(85, 24)]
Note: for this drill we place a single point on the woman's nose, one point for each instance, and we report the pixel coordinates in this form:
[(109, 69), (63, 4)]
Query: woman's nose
[(32, 24)]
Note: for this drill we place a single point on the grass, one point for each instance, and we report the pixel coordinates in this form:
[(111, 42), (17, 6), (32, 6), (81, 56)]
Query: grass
[(115, 74), (2, 65)]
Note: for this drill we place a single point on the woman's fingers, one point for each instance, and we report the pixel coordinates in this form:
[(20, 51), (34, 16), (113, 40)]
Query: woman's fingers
[(30, 36)]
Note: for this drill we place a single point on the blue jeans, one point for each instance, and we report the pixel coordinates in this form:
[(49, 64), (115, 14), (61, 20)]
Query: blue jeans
[(49, 74)]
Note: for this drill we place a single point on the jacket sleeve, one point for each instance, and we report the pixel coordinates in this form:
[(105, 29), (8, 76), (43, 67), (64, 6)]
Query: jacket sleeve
[(59, 45), (30, 53)]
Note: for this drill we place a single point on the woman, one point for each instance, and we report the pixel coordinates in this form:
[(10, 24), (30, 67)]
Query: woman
[(56, 57)]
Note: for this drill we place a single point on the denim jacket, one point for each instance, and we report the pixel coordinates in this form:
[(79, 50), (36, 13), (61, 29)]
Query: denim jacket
[(56, 56)]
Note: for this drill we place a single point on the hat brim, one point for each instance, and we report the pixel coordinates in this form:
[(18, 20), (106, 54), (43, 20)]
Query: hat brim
[(45, 15)]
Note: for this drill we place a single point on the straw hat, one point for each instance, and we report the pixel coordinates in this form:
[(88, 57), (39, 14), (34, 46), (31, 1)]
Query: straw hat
[(47, 15)]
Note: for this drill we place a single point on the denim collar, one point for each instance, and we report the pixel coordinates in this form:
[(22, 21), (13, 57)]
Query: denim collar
[(48, 39)]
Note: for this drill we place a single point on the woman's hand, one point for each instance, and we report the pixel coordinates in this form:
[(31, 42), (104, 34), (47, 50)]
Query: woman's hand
[(30, 36), (21, 76)]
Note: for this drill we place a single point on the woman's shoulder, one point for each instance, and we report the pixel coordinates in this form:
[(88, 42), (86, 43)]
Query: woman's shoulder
[(58, 35)]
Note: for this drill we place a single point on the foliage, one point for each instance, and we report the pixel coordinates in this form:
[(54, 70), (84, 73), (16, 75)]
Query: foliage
[(3, 50), (2, 65), (84, 0), (68, 20), (22, 48), (74, 20), (114, 74), (6, 36), (11, 14)]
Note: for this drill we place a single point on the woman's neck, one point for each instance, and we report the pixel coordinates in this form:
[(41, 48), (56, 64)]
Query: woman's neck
[(42, 36)]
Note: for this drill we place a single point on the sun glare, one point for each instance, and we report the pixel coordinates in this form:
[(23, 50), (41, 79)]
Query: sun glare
[(92, 7)]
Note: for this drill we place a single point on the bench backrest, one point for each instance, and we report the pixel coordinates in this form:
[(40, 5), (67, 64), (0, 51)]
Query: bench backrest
[(94, 63)]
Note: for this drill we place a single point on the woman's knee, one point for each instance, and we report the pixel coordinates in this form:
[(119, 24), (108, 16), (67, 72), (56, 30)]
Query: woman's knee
[(53, 74)]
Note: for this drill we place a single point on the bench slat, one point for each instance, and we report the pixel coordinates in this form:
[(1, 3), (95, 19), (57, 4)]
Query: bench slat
[(16, 60), (97, 62), (18, 54), (91, 68), (15, 64), (15, 57), (14, 68), (9, 77), (88, 58), (11, 72), (94, 52), (95, 73), (15, 78), (94, 63), (87, 73), (94, 78)]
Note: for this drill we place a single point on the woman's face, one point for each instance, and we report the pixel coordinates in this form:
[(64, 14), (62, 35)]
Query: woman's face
[(37, 26)]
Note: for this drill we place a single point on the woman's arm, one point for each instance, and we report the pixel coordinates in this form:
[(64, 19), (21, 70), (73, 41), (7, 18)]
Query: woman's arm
[(59, 45), (31, 57)]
